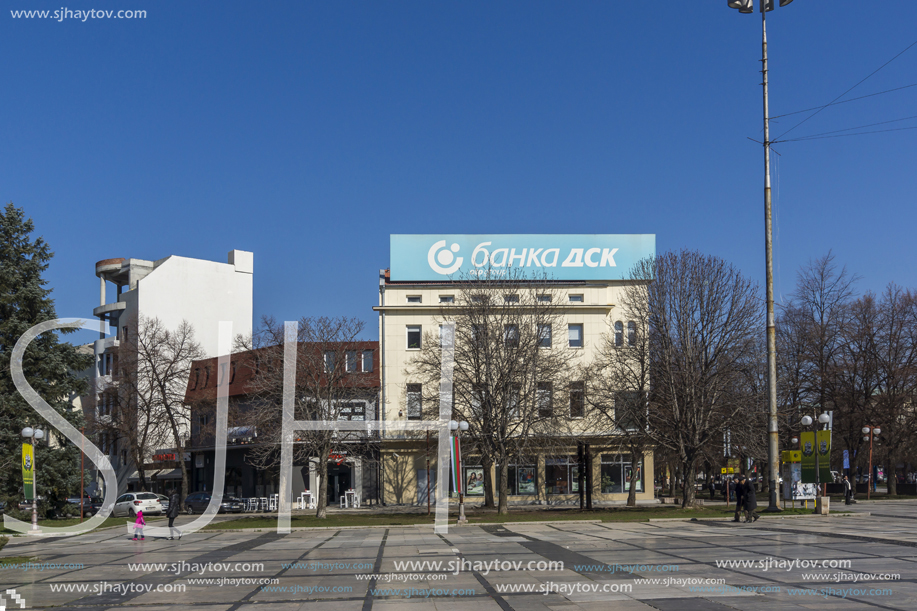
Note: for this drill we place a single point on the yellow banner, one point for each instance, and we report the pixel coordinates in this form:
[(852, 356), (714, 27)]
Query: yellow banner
[(28, 471)]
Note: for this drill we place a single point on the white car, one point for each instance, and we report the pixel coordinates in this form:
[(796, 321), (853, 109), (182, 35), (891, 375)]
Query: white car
[(132, 502)]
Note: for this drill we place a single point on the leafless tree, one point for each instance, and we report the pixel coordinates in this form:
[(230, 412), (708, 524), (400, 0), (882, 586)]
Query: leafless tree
[(330, 385), (512, 378), (704, 322)]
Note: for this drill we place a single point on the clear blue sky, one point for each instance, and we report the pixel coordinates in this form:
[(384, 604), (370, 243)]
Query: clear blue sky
[(308, 132)]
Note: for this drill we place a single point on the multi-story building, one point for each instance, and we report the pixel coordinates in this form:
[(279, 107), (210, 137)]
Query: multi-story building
[(172, 290), (586, 273), (354, 460)]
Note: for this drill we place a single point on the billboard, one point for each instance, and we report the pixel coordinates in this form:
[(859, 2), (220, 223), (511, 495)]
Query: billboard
[(560, 257)]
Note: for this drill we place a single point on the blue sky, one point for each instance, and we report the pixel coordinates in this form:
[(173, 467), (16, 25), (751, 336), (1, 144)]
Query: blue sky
[(308, 132)]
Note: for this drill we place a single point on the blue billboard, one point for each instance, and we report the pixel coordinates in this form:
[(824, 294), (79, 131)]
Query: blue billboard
[(561, 257)]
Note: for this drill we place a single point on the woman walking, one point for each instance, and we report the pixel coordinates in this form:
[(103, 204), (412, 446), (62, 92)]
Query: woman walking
[(174, 507)]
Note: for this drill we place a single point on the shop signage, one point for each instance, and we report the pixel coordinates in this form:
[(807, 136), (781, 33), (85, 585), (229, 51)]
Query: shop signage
[(561, 257)]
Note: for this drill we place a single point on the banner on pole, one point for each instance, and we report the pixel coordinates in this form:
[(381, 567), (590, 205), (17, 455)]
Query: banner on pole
[(456, 464), (824, 457), (807, 443), (28, 471)]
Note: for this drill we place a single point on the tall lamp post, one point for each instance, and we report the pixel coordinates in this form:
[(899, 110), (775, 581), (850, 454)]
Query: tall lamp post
[(748, 6), (34, 435), (458, 428), (870, 432), (807, 421)]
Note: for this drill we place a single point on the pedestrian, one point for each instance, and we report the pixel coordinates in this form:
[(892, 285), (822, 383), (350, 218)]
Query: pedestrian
[(726, 490), (174, 507), (740, 498), (712, 489), (138, 525), (751, 503), (848, 491)]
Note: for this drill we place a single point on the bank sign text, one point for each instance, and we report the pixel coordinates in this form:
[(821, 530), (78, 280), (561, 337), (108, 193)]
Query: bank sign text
[(561, 257)]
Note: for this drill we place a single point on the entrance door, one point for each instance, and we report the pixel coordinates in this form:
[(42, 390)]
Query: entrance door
[(339, 481), (422, 486)]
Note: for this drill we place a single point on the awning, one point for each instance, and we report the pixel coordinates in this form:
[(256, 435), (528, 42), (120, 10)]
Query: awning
[(173, 474)]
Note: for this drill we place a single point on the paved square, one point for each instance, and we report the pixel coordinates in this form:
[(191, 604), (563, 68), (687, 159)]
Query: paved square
[(857, 562)]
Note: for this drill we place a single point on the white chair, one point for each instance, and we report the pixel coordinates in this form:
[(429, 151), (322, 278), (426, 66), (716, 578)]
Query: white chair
[(343, 501), (262, 503), (356, 500), (273, 502)]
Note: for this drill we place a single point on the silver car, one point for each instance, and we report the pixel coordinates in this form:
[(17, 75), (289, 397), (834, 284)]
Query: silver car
[(132, 502)]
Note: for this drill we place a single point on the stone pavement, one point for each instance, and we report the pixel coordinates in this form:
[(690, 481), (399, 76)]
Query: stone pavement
[(864, 562)]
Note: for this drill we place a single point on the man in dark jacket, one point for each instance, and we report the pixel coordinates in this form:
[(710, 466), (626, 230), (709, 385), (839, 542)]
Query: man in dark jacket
[(740, 497), (174, 508), (751, 503), (848, 491)]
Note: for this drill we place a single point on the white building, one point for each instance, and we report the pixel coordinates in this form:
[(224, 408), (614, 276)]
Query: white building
[(173, 289)]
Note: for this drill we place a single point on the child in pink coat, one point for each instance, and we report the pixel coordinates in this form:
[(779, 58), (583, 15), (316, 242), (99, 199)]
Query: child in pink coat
[(138, 525)]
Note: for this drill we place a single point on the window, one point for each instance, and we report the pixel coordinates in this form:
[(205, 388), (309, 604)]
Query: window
[(329, 361), (415, 401), (630, 409), (576, 298), (617, 474), (631, 333), (544, 399), (367, 361), (520, 480), (544, 336), (478, 333), (352, 410), (413, 337), (544, 298), (477, 399), (619, 333), (513, 298), (414, 299), (577, 399), (511, 336), (206, 376), (479, 299), (197, 377), (447, 298), (561, 475), (351, 361), (576, 336), (512, 401), (124, 334)]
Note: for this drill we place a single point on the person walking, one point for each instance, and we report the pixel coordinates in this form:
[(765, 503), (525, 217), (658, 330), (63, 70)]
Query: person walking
[(751, 503), (712, 489), (740, 497), (139, 523), (848, 491), (174, 507)]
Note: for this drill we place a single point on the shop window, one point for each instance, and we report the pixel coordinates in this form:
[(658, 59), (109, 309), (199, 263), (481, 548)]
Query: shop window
[(562, 475), (521, 480), (617, 474)]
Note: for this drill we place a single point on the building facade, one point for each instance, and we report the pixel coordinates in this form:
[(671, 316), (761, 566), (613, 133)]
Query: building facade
[(427, 280)]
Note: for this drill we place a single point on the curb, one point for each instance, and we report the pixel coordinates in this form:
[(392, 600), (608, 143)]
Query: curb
[(451, 525), (765, 516)]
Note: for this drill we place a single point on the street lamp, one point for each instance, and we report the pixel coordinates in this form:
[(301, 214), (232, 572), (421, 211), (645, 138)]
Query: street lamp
[(870, 432), (460, 427), (34, 435), (824, 418), (747, 6)]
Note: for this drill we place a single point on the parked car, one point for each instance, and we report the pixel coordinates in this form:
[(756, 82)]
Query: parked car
[(26, 505), (90, 507), (132, 502), (164, 501), (198, 502)]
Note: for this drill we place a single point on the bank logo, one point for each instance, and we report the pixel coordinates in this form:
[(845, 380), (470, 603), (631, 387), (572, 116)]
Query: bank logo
[(14, 596), (442, 260)]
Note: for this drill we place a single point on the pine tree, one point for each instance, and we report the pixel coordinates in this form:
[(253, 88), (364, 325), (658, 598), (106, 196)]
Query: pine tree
[(48, 363)]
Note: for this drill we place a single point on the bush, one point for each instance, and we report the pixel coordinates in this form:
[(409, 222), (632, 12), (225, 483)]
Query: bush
[(4, 541)]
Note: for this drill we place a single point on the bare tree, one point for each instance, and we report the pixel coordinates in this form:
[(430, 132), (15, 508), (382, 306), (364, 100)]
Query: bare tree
[(704, 321), (329, 386), (512, 377)]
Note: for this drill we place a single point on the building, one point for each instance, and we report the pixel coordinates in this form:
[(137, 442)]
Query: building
[(173, 289), (586, 274), (353, 462)]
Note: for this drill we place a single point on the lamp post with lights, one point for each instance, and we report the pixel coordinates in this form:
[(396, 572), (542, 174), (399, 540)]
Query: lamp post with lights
[(823, 419), (748, 6), (34, 435), (869, 433)]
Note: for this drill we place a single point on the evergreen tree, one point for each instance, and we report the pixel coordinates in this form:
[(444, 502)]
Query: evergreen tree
[(48, 363)]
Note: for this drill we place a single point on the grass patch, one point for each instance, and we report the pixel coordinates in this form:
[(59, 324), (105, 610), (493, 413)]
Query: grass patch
[(478, 516), (75, 521)]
